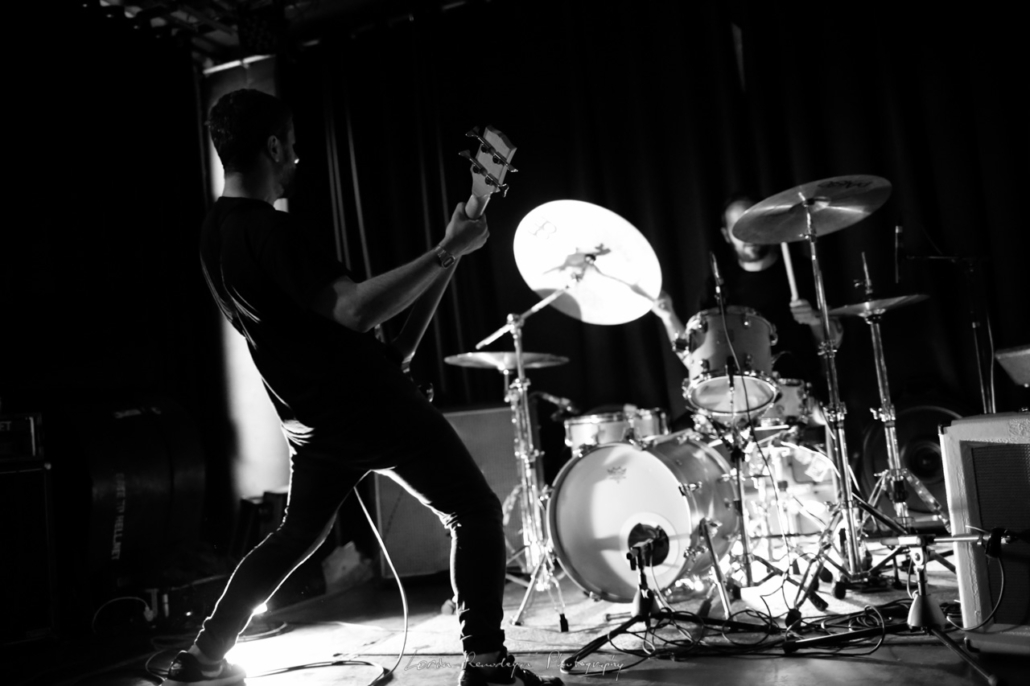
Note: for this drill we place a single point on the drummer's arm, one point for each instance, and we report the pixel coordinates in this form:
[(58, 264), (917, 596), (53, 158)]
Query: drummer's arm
[(804, 313), (674, 329)]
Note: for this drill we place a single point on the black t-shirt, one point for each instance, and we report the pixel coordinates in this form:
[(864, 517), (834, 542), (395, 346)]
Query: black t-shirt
[(768, 293), (323, 378)]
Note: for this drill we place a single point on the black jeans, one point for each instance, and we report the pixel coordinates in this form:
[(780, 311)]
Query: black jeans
[(431, 462)]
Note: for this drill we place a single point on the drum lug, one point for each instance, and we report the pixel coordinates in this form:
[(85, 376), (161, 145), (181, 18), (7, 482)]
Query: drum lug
[(748, 360), (690, 487), (691, 553)]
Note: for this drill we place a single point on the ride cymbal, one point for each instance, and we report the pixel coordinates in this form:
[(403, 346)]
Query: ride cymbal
[(504, 360), (835, 203), (609, 268)]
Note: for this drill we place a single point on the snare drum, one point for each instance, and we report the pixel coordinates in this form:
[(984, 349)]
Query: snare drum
[(617, 495), (710, 359), (791, 407), (592, 430)]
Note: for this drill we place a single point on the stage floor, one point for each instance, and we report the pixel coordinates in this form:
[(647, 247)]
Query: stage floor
[(366, 623)]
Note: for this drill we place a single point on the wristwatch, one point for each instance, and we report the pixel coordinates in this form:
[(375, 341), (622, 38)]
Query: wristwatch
[(444, 258)]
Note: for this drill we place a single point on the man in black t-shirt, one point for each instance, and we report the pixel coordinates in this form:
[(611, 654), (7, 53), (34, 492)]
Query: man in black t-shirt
[(339, 392), (758, 280)]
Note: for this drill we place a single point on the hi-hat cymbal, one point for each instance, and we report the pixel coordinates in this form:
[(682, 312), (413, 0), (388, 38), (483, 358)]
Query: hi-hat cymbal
[(871, 308), (613, 270), (504, 360), (834, 203)]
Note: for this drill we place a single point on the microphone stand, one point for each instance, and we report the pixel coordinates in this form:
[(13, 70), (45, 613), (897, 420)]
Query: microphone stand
[(641, 556), (984, 366)]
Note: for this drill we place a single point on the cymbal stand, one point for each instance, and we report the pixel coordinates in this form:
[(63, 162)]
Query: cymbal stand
[(846, 504), (893, 480), (537, 548)]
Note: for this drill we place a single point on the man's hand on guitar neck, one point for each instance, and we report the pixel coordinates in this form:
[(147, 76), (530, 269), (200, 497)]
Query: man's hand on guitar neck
[(464, 235)]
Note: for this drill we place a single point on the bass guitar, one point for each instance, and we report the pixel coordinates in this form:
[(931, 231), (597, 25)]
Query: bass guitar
[(489, 167)]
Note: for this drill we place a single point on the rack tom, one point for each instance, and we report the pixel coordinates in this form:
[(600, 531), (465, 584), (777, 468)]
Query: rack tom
[(729, 360)]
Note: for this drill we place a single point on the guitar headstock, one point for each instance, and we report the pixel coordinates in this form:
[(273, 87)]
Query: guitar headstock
[(490, 166)]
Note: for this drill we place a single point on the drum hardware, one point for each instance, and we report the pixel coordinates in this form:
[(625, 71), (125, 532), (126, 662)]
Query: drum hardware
[(805, 213), (720, 580), (593, 265), (644, 607), (537, 551), (892, 481), (641, 556), (748, 557), (925, 613)]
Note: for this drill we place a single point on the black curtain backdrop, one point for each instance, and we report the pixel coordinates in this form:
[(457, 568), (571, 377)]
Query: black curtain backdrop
[(645, 110), (103, 302)]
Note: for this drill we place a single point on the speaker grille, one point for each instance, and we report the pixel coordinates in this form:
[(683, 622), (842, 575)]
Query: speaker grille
[(1002, 474)]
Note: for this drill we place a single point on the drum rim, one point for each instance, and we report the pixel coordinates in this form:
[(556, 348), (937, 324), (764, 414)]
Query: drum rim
[(615, 416), (730, 309), (690, 384)]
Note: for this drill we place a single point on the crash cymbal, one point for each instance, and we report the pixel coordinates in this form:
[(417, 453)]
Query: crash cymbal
[(505, 360), (870, 308), (835, 203), (613, 271)]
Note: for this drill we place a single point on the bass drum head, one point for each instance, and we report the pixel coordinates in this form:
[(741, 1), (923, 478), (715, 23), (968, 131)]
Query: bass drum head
[(616, 494)]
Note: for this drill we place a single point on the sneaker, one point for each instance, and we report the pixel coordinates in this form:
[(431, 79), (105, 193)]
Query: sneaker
[(187, 670), (506, 672)]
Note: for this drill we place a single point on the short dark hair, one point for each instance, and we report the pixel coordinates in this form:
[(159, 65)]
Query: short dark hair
[(241, 122), (733, 199)]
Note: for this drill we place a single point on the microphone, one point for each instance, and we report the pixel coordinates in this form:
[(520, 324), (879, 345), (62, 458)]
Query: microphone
[(716, 275), (897, 253), (563, 405)]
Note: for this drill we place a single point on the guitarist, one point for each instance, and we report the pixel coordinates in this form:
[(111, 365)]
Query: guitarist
[(338, 391)]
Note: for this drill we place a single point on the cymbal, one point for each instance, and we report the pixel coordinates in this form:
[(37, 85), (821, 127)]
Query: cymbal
[(870, 308), (610, 269), (835, 203), (505, 360)]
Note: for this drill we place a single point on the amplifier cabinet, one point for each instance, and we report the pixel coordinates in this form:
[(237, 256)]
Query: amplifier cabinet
[(419, 545), (28, 587), (987, 474)]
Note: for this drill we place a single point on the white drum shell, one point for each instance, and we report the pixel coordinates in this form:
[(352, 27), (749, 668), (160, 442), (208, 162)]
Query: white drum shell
[(600, 497), (712, 344), (592, 430), (793, 405)]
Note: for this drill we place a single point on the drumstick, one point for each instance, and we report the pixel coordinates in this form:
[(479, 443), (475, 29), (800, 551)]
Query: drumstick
[(790, 272)]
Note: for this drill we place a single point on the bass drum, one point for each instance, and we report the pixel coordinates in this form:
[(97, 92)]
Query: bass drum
[(618, 495)]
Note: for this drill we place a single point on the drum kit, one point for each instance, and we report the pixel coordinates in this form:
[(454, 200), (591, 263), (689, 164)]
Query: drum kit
[(634, 494)]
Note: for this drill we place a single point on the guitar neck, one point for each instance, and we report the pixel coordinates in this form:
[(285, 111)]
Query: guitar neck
[(476, 206)]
